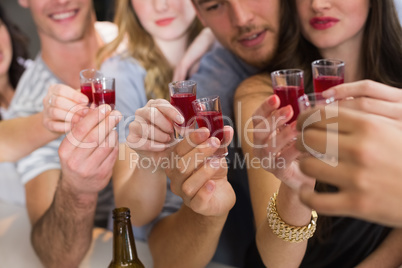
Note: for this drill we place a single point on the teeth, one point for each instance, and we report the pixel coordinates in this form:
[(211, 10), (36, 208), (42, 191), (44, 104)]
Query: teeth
[(252, 37), (63, 16)]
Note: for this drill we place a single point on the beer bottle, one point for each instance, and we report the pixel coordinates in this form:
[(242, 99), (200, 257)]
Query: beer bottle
[(124, 251)]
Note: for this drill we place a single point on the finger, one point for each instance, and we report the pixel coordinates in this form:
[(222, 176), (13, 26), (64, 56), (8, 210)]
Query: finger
[(325, 203), (339, 175), (330, 117), (82, 129), (167, 109), (200, 203), (197, 157), (374, 106), (266, 108), (365, 88), (215, 168), (191, 141), (140, 130), (320, 140), (228, 133), (103, 151), (68, 93)]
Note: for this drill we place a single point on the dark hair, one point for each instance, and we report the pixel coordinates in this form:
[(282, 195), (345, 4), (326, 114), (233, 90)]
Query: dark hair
[(382, 52), (19, 44)]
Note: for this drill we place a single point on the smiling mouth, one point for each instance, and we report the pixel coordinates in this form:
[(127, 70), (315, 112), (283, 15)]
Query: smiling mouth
[(64, 15)]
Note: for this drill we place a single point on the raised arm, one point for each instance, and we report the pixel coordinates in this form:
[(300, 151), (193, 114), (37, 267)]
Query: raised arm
[(260, 140), (21, 136), (139, 180), (189, 237), (61, 205)]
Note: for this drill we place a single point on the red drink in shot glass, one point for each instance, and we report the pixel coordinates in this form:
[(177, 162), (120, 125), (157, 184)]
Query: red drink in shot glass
[(289, 86), (327, 73), (89, 83), (105, 93), (209, 115), (182, 94)]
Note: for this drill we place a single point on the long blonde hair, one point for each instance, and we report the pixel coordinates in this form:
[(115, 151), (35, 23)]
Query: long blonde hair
[(142, 47)]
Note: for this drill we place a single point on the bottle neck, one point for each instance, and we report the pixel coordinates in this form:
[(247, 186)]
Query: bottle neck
[(124, 250)]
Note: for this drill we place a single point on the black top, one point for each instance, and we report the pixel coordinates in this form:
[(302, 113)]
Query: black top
[(346, 244)]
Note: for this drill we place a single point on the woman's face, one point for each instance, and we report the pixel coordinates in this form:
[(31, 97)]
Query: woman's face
[(165, 19), (6, 50), (329, 24)]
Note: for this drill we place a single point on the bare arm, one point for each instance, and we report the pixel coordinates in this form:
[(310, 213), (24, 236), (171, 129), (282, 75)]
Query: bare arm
[(62, 216), (65, 229), (253, 93), (140, 187), (21, 136), (189, 237)]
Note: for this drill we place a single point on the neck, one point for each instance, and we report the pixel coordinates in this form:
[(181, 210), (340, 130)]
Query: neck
[(76, 56), (173, 50), (6, 92), (351, 54)]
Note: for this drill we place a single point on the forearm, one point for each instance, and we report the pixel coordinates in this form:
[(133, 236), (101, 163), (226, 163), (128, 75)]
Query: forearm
[(21, 136), (140, 188), (185, 239), (388, 254), (274, 251), (64, 232)]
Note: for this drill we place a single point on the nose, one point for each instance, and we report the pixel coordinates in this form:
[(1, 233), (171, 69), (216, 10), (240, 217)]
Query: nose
[(160, 5), (241, 14), (320, 5)]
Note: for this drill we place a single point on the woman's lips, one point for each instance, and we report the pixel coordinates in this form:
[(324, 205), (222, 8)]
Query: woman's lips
[(164, 22), (322, 23)]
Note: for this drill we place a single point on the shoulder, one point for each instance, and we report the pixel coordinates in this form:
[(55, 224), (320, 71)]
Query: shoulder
[(122, 64), (257, 85)]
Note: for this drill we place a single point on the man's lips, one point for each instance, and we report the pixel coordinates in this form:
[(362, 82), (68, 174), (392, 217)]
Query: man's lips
[(322, 23), (252, 39), (164, 22), (65, 15)]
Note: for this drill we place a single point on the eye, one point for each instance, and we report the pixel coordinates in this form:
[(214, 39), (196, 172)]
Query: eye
[(213, 7)]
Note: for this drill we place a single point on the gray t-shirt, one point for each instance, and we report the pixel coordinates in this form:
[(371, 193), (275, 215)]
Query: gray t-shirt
[(220, 73)]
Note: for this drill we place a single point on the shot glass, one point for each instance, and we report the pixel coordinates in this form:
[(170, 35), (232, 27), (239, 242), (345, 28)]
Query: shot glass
[(316, 100), (209, 115), (327, 73), (288, 84), (182, 94), (105, 92), (89, 80)]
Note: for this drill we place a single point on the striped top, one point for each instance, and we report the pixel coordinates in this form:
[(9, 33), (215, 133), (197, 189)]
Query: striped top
[(31, 90)]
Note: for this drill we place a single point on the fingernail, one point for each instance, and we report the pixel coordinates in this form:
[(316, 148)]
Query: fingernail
[(215, 162), (179, 119), (328, 93), (272, 100), (105, 108), (213, 142)]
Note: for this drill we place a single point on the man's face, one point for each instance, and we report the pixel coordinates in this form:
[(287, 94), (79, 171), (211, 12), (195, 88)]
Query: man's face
[(61, 20), (248, 28)]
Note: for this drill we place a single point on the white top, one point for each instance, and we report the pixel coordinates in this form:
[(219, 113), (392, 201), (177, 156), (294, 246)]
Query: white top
[(31, 90)]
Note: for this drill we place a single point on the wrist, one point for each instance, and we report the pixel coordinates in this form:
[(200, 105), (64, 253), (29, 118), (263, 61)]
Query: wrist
[(80, 200), (290, 208)]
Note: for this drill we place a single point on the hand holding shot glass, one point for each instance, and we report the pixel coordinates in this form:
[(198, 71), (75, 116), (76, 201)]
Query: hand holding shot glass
[(182, 93), (209, 115)]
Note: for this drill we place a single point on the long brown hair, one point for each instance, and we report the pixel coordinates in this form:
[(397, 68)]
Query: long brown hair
[(142, 47), (381, 53)]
